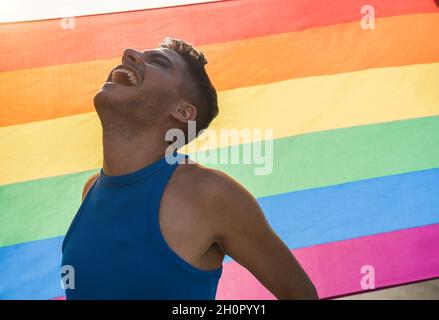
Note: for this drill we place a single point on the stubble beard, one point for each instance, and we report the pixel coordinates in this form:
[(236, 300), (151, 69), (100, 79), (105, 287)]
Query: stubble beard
[(125, 120)]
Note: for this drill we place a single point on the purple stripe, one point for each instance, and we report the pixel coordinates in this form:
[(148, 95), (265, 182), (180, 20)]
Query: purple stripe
[(335, 268)]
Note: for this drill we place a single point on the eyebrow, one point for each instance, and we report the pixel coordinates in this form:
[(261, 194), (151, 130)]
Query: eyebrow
[(158, 54)]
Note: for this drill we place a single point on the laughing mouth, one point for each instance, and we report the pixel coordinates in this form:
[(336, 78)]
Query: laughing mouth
[(124, 77)]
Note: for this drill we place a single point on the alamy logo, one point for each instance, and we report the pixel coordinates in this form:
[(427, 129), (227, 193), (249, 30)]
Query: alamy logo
[(368, 20), (225, 146), (68, 20), (67, 277), (368, 280)]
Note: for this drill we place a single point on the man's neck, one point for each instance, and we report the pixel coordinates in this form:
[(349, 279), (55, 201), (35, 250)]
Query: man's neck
[(123, 156)]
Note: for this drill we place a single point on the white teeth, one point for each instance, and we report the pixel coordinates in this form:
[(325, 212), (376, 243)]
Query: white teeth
[(130, 74)]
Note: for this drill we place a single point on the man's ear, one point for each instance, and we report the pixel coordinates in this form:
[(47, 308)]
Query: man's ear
[(184, 112)]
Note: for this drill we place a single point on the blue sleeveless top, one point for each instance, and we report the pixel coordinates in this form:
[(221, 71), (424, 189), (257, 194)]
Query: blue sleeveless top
[(117, 250)]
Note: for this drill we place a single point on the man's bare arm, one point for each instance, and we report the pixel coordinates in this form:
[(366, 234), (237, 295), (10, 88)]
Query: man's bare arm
[(245, 235)]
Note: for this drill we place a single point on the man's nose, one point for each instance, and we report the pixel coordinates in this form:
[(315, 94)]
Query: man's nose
[(132, 56)]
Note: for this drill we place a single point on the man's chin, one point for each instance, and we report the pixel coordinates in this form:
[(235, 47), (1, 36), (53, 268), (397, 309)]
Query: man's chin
[(119, 89), (103, 99), (112, 94)]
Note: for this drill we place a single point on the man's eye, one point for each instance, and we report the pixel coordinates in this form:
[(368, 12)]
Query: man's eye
[(160, 63)]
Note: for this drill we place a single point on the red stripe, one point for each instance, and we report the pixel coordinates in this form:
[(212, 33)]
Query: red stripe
[(43, 43)]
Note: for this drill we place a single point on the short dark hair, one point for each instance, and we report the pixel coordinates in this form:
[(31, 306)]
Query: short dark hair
[(201, 93)]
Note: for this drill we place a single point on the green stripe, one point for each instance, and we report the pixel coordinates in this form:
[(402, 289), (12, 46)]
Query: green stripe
[(39, 209), (44, 208), (337, 156)]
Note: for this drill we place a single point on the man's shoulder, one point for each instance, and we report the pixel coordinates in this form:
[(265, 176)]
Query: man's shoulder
[(218, 200), (206, 181), (210, 188)]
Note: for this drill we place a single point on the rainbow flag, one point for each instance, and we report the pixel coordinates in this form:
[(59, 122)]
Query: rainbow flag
[(354, 112)]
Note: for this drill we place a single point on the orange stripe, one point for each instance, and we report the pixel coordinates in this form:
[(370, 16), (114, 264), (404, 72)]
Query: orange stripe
[(329, 50), (44, 43), (51, 92)]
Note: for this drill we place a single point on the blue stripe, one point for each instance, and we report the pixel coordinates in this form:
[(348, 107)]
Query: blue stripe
[(301, 219), (355, 209), (31, 270)]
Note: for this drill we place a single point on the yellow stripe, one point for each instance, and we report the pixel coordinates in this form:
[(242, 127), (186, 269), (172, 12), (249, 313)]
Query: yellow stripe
[(73, 144)]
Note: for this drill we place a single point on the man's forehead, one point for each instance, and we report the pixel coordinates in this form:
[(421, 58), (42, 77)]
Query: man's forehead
[(174, 56)]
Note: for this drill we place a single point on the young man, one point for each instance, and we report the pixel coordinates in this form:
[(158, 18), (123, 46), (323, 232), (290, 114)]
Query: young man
[(148, 229)]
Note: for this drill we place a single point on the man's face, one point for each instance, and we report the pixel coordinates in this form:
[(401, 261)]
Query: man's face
[(142, 87)]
